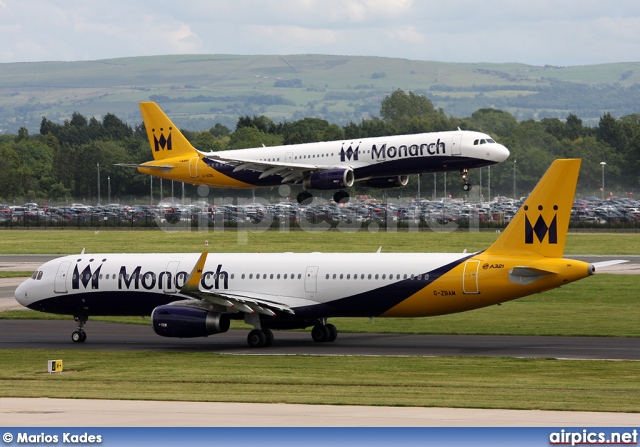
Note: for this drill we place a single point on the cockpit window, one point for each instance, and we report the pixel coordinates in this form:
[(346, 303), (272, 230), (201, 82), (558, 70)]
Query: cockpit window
[(489, 140), (37, 275)]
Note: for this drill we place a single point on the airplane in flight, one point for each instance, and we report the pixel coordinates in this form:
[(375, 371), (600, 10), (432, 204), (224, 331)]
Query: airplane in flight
[(194, 295), (381, 162)]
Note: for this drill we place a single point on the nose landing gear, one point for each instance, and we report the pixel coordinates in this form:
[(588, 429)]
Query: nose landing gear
[(466, 186), (79, 336)]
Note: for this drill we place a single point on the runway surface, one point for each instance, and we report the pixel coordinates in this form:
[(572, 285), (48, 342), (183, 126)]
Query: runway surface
[(56, 335)]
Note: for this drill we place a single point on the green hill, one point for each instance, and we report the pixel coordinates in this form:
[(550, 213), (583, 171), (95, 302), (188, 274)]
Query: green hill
[(201, 90)]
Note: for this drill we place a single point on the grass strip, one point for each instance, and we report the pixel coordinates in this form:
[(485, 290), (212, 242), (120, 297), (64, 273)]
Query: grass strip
[(328, 380), (151, 241)]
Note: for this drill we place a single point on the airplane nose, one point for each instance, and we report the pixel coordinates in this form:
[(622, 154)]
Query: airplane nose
[(503, 154), (21, 294)]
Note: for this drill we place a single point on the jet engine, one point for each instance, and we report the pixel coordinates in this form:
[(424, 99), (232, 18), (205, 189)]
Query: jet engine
[(387, 182), (187, 322), (334, 179)]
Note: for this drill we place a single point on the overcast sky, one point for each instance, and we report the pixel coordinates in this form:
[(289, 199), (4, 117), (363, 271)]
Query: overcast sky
[(536, 32)]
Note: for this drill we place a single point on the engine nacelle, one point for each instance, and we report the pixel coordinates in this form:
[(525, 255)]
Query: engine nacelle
[(187, 322), (387, 182), (335, 179)]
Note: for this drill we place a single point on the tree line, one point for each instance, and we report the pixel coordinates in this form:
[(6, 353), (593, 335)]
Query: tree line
[(61, 162)]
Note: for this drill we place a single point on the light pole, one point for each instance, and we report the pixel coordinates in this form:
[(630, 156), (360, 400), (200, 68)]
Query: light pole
[(603, 163), (489, 184), (108, 189), (99, 183), (435, 193), (514, 180)]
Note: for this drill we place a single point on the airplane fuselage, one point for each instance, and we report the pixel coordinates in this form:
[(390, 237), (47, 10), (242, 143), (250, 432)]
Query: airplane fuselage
[(368, 158), (312, 285)]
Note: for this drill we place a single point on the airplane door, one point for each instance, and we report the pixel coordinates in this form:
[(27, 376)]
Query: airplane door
[(193, 166), (311, 280), (169, 284), (456, 144), (288, 158), (60, 283), (470, 277)]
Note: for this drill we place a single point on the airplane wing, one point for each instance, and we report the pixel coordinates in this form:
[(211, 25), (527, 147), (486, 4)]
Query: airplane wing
[(234, 302), (290, 172)]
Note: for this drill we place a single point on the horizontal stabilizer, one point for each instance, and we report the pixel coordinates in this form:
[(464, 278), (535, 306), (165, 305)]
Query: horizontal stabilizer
[(601, 264), (527, 275), (165, 168), (595, 266)]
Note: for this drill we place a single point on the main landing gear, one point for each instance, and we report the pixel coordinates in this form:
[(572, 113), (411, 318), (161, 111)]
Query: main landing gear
[(305, 197), (79, 336), (260, 338), (466, 186), (321, 333)]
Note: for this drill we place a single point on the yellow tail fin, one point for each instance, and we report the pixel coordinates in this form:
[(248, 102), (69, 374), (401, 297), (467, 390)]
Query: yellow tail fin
[(540, 226), (165, 138)]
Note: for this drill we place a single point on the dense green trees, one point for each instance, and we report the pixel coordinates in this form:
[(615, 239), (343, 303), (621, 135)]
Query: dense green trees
[(62, 161)]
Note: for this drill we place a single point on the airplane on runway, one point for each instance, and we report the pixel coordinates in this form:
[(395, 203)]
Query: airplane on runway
[(381, 162), (193, 295)]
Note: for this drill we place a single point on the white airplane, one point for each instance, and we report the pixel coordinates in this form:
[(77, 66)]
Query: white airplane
[(381, 162), (193, 295)]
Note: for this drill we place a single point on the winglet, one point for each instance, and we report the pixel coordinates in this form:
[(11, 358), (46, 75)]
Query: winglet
[(193, 281)]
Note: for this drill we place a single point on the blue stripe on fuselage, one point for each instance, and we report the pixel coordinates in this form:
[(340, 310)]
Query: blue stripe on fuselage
[(384, 168)]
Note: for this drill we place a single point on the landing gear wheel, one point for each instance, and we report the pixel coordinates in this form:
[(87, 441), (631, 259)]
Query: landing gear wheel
[(269, 335), (304, 198), (466, 186), (78, 336), (341, 196), (320, 333), (333, 333), (257, 338)]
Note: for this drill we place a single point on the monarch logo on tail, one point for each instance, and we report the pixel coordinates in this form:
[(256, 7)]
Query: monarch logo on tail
[(162, 142), (541, 229)]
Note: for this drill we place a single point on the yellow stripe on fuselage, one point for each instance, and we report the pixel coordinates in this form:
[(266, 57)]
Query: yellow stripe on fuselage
[(484, 280), (198, 174)]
